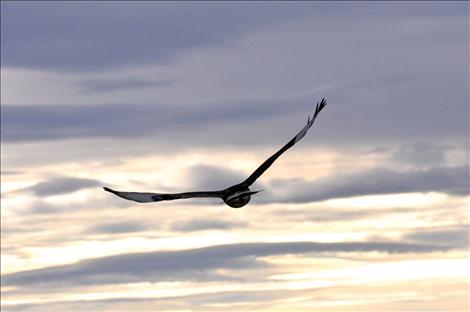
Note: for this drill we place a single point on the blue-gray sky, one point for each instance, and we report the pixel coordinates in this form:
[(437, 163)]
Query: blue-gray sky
[(171, 96)]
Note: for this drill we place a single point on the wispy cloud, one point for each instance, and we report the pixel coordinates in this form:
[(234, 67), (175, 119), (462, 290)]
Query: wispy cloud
[(205, 224), (194, 264), (421, 154), (450, 180), (49, 122), (454, 236), (10, 172), (213, 177), (118, 227), (106, 85), (61, 185)]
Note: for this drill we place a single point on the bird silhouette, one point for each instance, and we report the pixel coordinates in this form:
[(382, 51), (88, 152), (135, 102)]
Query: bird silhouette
[(235, 196)]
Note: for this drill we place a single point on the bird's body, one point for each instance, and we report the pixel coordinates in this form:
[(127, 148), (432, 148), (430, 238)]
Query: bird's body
[(235, 196)]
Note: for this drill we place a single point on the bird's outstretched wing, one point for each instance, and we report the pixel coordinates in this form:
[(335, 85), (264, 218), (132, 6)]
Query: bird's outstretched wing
[(268, 162), (154, 197)]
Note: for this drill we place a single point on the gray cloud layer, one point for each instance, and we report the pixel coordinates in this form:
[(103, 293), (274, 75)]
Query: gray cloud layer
[(83, 36), (106, 85), (206, 224), (10, 172), (208, 177), (378, 66), (48, 122), (194, 264), (62, 185), (457, 236), (238, 124), (191, 303), (451, 180), (421, 154), (118, 227)]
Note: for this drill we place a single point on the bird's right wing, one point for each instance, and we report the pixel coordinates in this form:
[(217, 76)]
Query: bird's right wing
[(154, 197), (268, 162)]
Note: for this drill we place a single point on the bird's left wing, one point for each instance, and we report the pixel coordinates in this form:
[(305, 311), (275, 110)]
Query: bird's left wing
[(268, 162), (154, 197)]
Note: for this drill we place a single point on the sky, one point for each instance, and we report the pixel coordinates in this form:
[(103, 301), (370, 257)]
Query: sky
[(369, 212)]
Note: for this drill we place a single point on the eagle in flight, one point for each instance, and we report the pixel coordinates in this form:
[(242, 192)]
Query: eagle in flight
[(235, 196)]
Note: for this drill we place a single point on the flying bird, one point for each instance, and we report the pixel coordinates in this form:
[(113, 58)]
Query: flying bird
[(235, 196)]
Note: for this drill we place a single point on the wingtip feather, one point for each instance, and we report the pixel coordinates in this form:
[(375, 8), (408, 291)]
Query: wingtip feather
[(320, 106), (107, 189)]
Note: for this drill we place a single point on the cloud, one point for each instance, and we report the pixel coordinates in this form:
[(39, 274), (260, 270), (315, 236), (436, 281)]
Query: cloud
[(450, 180), (375, 150), (50, 122), (118, 227), (363, 72), (193, 264), (62, 185), (10, 172), (208, 177), (120, 34), (101, 35), (106, 85), (198, 302), (455, 236), (333, 215), (96, 200), (337, 298), (205, 224), (421, 154)]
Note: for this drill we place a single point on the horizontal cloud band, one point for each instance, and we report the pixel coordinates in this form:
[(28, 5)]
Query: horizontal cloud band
[(193, 264)]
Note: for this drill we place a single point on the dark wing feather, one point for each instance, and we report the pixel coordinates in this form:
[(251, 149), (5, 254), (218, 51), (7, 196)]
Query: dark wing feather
[(154, 197), (268, 162)]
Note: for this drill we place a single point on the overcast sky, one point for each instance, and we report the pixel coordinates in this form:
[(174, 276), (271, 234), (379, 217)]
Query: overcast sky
[(368, 212)]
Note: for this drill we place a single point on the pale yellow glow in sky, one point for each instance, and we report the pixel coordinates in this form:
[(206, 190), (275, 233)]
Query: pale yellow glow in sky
[(410, 270)]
